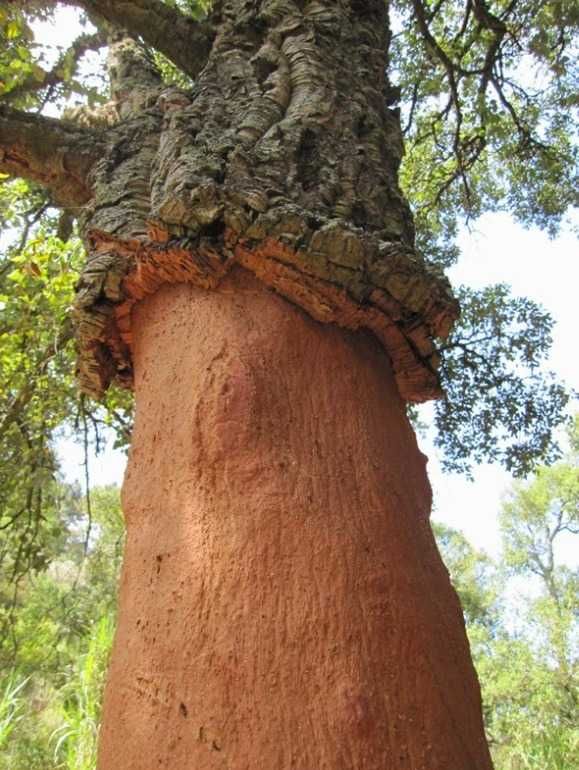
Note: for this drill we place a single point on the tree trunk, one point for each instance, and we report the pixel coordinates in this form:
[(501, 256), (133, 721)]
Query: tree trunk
[(283, 158), (283, 604)]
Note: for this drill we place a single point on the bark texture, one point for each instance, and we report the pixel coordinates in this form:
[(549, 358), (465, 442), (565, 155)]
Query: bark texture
[(283, 604), (54, 154), (184, 40), (283, 158)]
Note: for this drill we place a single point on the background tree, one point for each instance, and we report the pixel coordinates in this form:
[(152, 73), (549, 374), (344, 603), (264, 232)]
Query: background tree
[(54, 659), (535, 519), (474, 577), (524, 635)]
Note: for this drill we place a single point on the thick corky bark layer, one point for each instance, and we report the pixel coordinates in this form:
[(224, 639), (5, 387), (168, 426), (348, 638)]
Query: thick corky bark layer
[(283, 604), (53, 154), (284, 158)]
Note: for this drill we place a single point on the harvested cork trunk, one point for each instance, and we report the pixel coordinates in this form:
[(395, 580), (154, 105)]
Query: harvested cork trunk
[(283, 603)]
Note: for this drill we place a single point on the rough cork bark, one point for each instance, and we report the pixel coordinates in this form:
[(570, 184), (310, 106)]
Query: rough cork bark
[(53, 154), (283, 158), (283, 604)]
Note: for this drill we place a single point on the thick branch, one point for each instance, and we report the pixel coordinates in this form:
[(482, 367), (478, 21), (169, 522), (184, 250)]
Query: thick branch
[(54, 154), (182, 40), (135, 81)]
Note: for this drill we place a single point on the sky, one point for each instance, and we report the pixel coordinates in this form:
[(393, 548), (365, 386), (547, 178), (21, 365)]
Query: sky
[(494, 249)]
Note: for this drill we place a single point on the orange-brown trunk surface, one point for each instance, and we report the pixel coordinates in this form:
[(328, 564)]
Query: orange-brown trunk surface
[(283, 604)]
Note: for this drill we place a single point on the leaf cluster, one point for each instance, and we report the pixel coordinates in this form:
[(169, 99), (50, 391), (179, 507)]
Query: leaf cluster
[(39, 396), (499, 404), (34, 75), (489, 110)]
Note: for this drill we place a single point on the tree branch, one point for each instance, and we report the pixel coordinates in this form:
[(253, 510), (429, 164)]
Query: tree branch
[(181, 39), (68, 61), (50, 152), (452, 68)]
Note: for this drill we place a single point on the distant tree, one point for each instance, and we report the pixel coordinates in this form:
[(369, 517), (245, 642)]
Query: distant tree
[(526, 654), (536, 515), (541, 720), (474, 576), (53, 660)]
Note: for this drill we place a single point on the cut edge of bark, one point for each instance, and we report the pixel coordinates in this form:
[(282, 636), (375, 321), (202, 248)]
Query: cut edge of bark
[(398, 297)]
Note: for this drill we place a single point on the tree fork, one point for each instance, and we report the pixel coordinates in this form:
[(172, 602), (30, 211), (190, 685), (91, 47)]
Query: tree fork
[(262, 164), (181, 39)]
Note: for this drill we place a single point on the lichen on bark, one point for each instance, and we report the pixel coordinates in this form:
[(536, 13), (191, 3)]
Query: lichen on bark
[(282, 158)]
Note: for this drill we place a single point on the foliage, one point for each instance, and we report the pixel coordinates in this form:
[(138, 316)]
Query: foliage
[(31, 75), (80, 705), (53, 661), (489, 112), (77, 581), (547, 507), (499, 405), (527, 657), (475, 577), (38, 271), (489, 100), (197, 9), (38, 388), (11, 707), (528, 725)]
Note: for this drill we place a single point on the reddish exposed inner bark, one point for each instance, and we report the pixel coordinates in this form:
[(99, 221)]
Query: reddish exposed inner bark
[(283, 604)]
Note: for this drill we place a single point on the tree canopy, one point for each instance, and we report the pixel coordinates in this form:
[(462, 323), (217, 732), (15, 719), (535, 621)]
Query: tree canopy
[(486, 98)]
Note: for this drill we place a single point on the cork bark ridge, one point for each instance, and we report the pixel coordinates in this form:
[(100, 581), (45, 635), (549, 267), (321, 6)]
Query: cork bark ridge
[(282, 158)]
